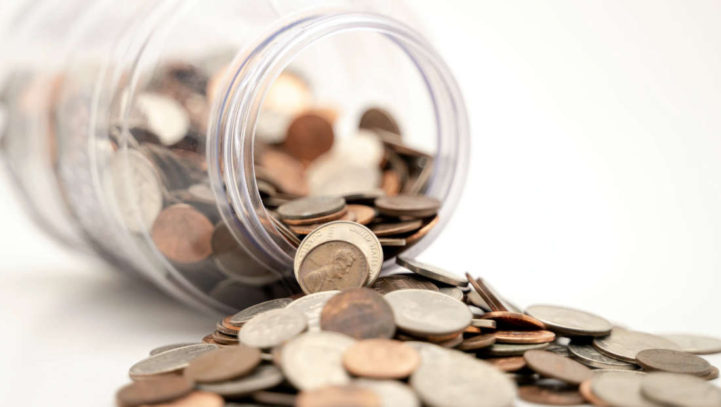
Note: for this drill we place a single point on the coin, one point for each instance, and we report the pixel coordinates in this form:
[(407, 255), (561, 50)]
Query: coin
[(395, 282), (338, 396), (569, 321), (153, 391), (589, 356), (625, 344), (396, 228), (508, 364), (698, 344), (381, 359), (422, 232), (489, 298), (417, 206), (673, 361), (391, 242), (673, 389), (549, 364), (182, 234), (308, 137), (453, 292), (477, 342), (620, 388), (350, 232), (169, 361), (311, 207), (274, 398), (262, 377), (511, 349), (541, 336), (233, 260), (360, 313), (273, 327), (311, 306), (550, 395), (363, 214), (391, 392), (315, 359), (162, 349), (713, 374), (223, 364), (195, 399), (246, 314), (513, 320), (483, 323), (377, 118), (587, 393), (136, 189), (332, 265), (431, 272), (312, 223), (426, 312), (165, 117)]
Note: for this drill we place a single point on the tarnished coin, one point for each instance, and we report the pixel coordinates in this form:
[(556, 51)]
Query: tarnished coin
[(246, 314), (540, 336), (510, 349), (589, 356), (549, 364), (679, 390), (625, 344), (513, 320), (417, 206), (392, 242), (169, 361), (196, 399), (262, 377), (569, 321), (223, 364), (396, 228), (162, 349), (620, 388), (392, 393), (311, 207), (673, 361), (363, 214), (315, 359), (381, 359), (477, 342), (182, 234), (135, 185), (153, 391), (713, 374), (360, 313), (233, 260), (309, 136), (424, 312), (453, 292), (394, 282), (550, 395), (377, 118), (350, 232), (338, 396), (698, 344), (587, 393), (272, 328), (508, 364), (431, 272), (333, 265), (311, 306)]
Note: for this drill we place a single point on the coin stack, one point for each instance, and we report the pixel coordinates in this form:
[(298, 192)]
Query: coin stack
[(425, 336)]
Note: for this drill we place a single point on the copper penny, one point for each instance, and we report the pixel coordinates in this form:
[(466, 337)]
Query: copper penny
[(549, 364), (311, 207), (223, 364), (309, 136), (489, 297), (541, 336), (453, 342), (587, 394), (283, 171), (422, 232), (391, 182), (360, 313), (223, 339), (340, 215), (195, 399), (511, 320), (381, 359), (508, 364), (156, 390), (182, 234), (363, 214), (333, 265), (338, 396), (673, 361), (394, 282), (306, 229), (417, 206), (550, 395), (477, 342), (396, 228), (376, 118)]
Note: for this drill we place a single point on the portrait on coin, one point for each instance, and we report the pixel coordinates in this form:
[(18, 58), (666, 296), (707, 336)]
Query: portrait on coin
[(333, 265)]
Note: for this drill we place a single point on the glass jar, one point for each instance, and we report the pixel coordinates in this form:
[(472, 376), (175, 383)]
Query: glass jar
[(81, 75)]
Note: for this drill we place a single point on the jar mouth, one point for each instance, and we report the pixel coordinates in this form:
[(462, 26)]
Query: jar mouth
[(236, 111)]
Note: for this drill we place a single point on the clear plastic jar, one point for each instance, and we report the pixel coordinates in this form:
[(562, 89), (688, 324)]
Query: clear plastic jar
[(78, 74)]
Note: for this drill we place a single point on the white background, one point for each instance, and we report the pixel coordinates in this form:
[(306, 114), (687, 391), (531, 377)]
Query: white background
[(595, 182)]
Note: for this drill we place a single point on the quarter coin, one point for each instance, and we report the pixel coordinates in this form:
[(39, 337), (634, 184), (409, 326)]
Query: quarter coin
[(246, 314), (223, 364), (625, 344), (431, 272), (338, 396), (381, 359), (424, 312), (360, 313), (417, 206), (569, 321), (673, 361), (453, 292), (332, 265), (673, 389), (549, 364), (169, 361), (153, 391), (315, 359), (272, 328), (311, 306)]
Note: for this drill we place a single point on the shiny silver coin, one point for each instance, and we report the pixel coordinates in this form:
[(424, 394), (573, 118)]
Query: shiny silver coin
[(698, 344), (261, 378), (315, 359), (453, 292), (311, 306), (589, 356), (272, 328), (165, 348), (511, 349), (424, 312), (680, 390), (245, 315), (620, 388), (569, 321), (625, 344), (311, 207), (431, 272), (169, 361), (392, 393)]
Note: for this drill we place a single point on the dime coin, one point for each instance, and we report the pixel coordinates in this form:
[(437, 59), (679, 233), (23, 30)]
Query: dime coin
[(510, 349), (162, 349), (394, 282), (424, 312), (698, 344), (153, 391), (620, 388), (381, 359), (363, 214), (549, 395), (625, 344), (196, 399), (246, 314), (376, 118), (508, 364), (417, 206), (311, 306), (315, 359), (391, 392), (589, 356), (549, 364), (332, 265), (271, 328), (541, 336), (182, 234), (350, 232), (453, 292), (431, 272), (673, 389), (396, 228), (338, 396), (169, 361), (477, 342), (223, 364), (673, 361), (309, 136), (569, 321), (360, 313), (513, 320), (311, 207), (262, 377)]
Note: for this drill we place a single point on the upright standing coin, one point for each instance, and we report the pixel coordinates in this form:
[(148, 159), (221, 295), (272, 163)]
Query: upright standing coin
[(625, 344), (673, 361), (589, 356), (431, 272), (391, 392), (246, 314), (360, 313), (417, 206), (381, 359), (223, 364), (315, 359), (154, 391), (679, 390), (333, 265), (620, 388), (182, 234), (424, 312), (311, 306), (169, 361), (569, 321), (338, 396), (549, 364), (698, 344), (272, 328)]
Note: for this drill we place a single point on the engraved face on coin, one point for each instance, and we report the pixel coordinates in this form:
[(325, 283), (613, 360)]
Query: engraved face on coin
[(315, 359), (569, 321), (426, 312), (334, 265), (625, 344), (272, 328)]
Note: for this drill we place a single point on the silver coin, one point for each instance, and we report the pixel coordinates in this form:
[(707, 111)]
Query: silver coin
[(169, 361), (164, 116), (453, 292), (483, 323), (431, 272), (166, 348), (620, 388), (261, 378), (476, 299), (569, 321), (311, 207), (680, 390), (272, 328), (427, 312), (391, 392), (512, 349), (625, 344), (315, 359), (245, 315), (311, 306), (698, 344), (589, 356)]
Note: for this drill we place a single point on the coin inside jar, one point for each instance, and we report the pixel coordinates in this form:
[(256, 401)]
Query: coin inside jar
[(336, 396), (311, 207), (418, 206), (427, 312), (154, 391), (223, 364), (549, 364), (182, 234)]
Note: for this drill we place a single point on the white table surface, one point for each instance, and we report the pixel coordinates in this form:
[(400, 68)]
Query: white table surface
[(595, 182)]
